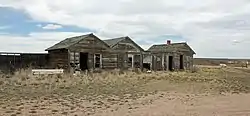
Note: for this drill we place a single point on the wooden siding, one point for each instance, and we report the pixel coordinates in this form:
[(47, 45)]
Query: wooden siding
[(157, 61), (121, 61), (160, 61), (90, 45), (117, 56), (91, 61), (109, 61), (110, 57), (137, 60), (127, 48), (176, 61), (58, 59), (94, 46)]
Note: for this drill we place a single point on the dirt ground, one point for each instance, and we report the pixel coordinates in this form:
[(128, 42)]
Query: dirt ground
[(163, 104), (191, 105), (205, 92)]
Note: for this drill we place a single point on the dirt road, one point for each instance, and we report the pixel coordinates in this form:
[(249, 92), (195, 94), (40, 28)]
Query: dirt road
[(190, 105), (162, 104)]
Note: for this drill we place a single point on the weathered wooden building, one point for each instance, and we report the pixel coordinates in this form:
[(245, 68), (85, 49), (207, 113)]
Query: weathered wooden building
[(89, 52), (130, 54), (170, 56), (84, 52)]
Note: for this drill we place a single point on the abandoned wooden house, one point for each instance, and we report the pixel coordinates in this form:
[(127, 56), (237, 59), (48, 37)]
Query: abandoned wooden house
[(87, 52), (130, 54), (170, 56), (82, 52)]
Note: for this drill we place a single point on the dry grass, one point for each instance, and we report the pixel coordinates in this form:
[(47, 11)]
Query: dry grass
[(23, 84), (74, 92)]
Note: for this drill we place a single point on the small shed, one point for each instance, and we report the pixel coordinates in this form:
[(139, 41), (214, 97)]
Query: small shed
[(171, 56), (130, 53), (82, 52)]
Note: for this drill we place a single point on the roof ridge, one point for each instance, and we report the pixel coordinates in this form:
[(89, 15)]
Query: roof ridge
[(170, 44), (114, 41), (115, 38), (68, 42)]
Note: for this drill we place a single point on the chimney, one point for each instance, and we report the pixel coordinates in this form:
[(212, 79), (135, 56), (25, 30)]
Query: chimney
[(168, 42)]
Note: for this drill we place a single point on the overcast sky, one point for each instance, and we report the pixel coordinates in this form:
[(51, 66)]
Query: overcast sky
[(213, 28)]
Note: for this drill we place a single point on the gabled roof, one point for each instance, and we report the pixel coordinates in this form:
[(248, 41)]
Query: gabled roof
[(174, 47), (66, 43), (115, 41)]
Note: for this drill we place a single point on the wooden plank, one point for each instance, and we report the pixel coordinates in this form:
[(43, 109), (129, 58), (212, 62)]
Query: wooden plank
[(68, 61), (141, 62), (47, 71), (110, 55), (87, 47), (91, 50), (109, 66), (91, 60), (161, 66), (106, 64), (109, 59), (114, 65), (58, 57)]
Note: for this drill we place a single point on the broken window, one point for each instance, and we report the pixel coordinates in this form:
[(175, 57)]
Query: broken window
[(137, 59), (97, 60), (130, 60)]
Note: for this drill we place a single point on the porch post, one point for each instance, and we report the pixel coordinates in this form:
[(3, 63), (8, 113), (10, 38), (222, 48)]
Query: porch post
[(167, 62), (153, 62), (162, 61), (133, 61), (141, 61)]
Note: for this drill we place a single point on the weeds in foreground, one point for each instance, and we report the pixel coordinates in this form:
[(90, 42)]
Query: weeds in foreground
[(23, 85), (28, 94)]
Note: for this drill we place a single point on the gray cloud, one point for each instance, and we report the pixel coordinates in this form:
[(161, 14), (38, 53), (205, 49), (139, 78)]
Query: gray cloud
[(213, 28), (232, 22)]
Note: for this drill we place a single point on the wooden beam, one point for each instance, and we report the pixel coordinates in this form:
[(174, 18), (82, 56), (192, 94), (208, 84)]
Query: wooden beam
[(167, 61), (153, 63), (162, 62), (141, 62), (69, 67)]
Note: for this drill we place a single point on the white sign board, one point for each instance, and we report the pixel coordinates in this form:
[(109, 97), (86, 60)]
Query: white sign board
[(47, 71)]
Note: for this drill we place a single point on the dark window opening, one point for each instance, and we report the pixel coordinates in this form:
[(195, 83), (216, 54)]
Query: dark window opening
[(130, 60), (130, 63), (146, 66), (84, 61), (181, 62), (97, 60), (170, 63)]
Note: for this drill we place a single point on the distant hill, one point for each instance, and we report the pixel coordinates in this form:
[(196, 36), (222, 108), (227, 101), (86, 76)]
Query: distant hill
[(217, 61)]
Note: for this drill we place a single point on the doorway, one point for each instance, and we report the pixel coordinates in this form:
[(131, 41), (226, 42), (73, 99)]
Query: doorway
[(147, 66), (181, 62), (130, 61), (170, 63), (84, 61)]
